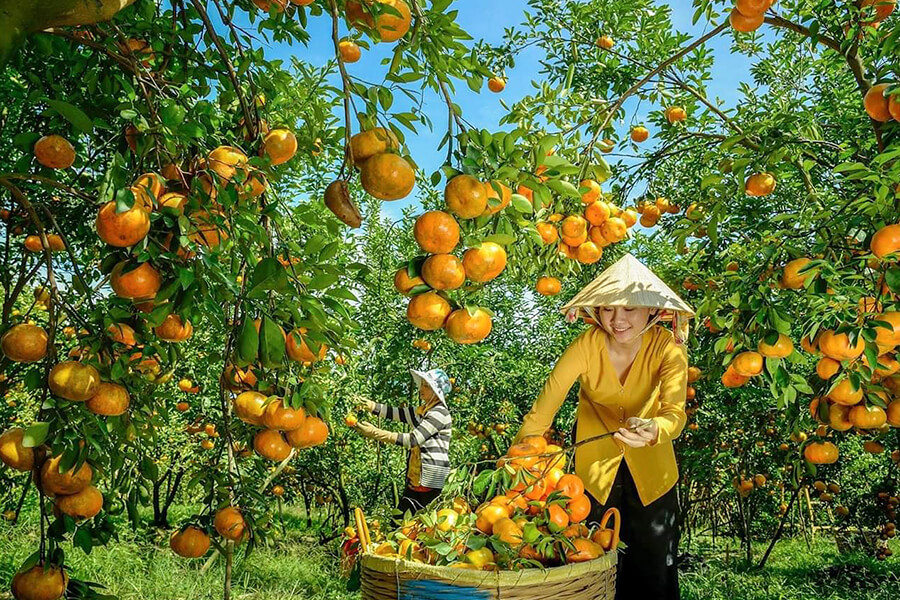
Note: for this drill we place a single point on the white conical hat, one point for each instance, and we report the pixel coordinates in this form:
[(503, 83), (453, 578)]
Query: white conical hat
[(627, 282)]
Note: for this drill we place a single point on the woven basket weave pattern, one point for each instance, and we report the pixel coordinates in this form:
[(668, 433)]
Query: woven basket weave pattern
[(395, 579)]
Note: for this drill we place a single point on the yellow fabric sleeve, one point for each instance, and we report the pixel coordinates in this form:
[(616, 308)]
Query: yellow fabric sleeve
[(671, 417), (566, 371)]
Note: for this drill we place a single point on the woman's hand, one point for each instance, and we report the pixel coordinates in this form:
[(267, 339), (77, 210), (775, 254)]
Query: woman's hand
[(368, 430), (363, 404), (639, 433)]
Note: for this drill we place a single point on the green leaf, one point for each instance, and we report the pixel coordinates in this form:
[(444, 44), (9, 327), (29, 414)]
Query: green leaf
[(269, 274), (504, 239), (248, 342), (271, 344), (521, 204), (601, 170), (73, 115), (36, 435), (149, 469)]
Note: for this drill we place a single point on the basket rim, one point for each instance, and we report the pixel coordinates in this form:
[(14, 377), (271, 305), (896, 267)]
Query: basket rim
[(396, 565)]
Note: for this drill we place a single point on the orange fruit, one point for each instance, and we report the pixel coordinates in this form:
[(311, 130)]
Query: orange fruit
[(84, 504), (174, 329), (759, 184), (751, 8), (821, 453), (350, 52), (886, 241), (250, 407), (827, 368), (782, 347), (428, 311), (54, 152), (40, 582), (366, 144), (73, 380), (122, 229), (588, 253), (110, 400), (597, 213), (747, 364), (24, 343), (793, 280), (593, 192), (579, 508), (571, 486), (868, 416), (436, 232), (547, 232), (639, 134), (313, 432), (189, 542), (230, 524), (488, 516), (576, 241), (390, 25), (883, 8), (387, 177), (731, 379), (584, 551), (465, 196), (504, 198), (299, 351), (173, 201), (465, 328), (573, 226), (876, 104), (744, 23), (484, 262), (605, 42), (225, 161), (283, 418), (403, 283), (843, 393), (548, 286), (837, 345), (557, 518), (496, 84), (140, 283), (12, 451), (443, 272), (270, 444), (33, 243), (675, 114), (279, 145), (614, 229), (71, 482)]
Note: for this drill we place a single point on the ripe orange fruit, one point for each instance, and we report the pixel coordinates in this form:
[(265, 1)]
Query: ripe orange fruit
[(759, 184), (886, 241), (283, 418), (883, 8), (821, 453), (12, 451), (73, 380), (173, 202), (140, 283), (579, 508), (84, 504), (189, 542), (876, 104), (71, 482), (747, 364), (443, 272), (366, 144), (298, 350), (597, 213), (24, 343), (390, 26), (504, 198), (744, 23), (350, 52), (752, 8), (488, 515), (496, 84), (111, 400), (279, 145), (250, 407), (827, 368), (225, 161), (588, 253), (548, 286), (33, 243), (576, 241), (313, 432), (605, 42), (270, 444), (507, 531), (584, 551), (593, 192), (230, 524), (436, 232), (174, 329), (571, 486), (573, 226), (40, 583), (207, 230), (837, 345), (782, 347), (675, 114), (639, 134), (894, 106), (465, 328), (428, 311), (387, 177), (793, 280), (351, 420), (557, 517), (614, 230), (182, 407), (843, 393), (547, 232), (54, 152), (484, 262), (403, 283), (465, 196), (122, 229), (893, 414), (868, 416)]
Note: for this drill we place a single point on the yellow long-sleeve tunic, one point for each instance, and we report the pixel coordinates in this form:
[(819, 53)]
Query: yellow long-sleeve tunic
[(655, 387)]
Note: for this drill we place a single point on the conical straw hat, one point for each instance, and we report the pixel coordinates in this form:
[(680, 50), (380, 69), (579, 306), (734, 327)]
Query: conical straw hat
[(627, 282)]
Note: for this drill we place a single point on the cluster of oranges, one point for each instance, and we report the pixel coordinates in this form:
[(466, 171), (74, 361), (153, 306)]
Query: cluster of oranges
[(748, 15), (880, 107), (539, 519), (283, 427), (437, 233)]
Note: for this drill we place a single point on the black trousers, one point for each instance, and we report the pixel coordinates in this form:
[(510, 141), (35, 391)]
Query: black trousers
[(414, 501), (647, 568)]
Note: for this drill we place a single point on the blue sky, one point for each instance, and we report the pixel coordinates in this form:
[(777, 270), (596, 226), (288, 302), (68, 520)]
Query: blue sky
[(486, 19)]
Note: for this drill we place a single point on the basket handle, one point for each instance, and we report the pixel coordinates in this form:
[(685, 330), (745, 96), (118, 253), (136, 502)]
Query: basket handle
[(610, 513), (362, 529)]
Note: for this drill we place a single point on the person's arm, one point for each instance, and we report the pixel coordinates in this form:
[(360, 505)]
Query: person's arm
[(404, 414), (671, 418), (568, 368), (435, 420)]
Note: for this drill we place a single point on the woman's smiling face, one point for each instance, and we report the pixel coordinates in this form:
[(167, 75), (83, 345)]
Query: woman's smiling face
[(623, 323)]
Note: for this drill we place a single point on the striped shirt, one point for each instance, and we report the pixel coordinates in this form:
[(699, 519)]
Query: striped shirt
[(429, 440)]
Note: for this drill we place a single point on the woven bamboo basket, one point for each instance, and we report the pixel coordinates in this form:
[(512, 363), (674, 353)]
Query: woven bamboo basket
[(386, 578)]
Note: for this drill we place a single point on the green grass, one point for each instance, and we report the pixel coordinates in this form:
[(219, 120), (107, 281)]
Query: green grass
[(141, 567)]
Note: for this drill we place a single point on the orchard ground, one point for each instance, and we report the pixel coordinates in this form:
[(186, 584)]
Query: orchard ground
[(297, 565)]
